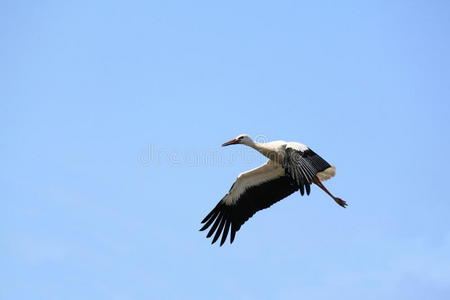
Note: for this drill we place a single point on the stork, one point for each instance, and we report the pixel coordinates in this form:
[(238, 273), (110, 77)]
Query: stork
[(291, 167)]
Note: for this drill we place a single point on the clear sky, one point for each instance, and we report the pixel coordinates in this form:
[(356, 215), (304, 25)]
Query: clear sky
[(111, 118)]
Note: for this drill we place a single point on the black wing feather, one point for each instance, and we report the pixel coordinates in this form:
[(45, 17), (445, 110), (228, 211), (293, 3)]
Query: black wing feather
[(254, 199), (225, 232), (303, 166), (216, 223)]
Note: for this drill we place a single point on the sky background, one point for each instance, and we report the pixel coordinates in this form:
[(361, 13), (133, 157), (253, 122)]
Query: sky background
[(111, 118)]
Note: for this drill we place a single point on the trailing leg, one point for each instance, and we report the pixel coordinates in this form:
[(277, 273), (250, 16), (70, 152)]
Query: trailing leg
[(338, 200)]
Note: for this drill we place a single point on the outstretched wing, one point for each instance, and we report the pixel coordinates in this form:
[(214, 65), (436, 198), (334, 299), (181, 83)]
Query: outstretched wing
[(252, 191), (302, 165)]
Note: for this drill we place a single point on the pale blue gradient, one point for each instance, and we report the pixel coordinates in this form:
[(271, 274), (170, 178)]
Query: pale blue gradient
[(109, 108)]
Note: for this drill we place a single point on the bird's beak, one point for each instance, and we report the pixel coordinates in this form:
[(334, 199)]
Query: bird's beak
[(232, 142)]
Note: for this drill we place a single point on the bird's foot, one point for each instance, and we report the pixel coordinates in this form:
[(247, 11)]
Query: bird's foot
[(340, 202)]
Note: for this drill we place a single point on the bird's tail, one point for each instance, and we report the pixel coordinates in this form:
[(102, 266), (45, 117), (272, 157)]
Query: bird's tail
[(327, 173)]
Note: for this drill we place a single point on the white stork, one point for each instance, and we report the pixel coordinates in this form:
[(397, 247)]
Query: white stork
[(291, 167)]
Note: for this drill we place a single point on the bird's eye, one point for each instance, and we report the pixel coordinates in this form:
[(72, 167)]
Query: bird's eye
[(240, 138)]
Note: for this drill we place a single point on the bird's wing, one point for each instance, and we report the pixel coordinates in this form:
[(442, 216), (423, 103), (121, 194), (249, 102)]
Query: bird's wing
[(302, 165), (252, 191)]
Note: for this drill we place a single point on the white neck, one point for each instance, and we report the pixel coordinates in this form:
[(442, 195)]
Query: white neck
[(263, 148)]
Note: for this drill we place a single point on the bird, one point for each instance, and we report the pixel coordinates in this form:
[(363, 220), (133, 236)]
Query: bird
[(290, 167)]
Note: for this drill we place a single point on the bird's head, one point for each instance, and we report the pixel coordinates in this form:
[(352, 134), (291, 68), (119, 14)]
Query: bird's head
[(240, 139)]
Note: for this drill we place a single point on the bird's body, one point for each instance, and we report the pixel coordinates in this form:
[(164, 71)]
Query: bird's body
[(291, 167)]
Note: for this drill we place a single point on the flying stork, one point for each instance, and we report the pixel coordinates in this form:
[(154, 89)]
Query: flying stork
[(291, 167)]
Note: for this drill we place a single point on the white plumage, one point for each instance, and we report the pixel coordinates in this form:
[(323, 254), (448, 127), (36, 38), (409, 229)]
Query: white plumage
[(261, 174), (327, 174)]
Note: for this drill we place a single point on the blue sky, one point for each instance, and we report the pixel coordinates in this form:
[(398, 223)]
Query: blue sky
[(112, 115)]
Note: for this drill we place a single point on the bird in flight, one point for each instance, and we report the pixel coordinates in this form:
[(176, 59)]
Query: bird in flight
[(291, 167)]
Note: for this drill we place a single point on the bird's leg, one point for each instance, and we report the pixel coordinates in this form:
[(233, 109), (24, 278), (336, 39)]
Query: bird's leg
[(338, 200)]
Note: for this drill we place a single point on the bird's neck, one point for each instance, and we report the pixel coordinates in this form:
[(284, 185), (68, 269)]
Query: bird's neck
[(263, 148)]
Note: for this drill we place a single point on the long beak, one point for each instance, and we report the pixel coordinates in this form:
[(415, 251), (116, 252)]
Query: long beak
[(232, 142)]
